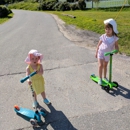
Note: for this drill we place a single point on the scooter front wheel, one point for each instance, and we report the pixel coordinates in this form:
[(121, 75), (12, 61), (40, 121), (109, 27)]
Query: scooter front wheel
[(115, 84), (33, 122)]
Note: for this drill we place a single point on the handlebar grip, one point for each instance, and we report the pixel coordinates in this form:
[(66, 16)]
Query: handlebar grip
[(109, 53), (27, 77)]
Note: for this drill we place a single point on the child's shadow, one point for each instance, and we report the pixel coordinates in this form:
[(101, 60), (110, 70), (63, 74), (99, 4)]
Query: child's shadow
[(124, 92), (57, 120)]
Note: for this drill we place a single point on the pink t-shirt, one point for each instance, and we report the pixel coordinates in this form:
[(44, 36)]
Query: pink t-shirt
[(108, 43)]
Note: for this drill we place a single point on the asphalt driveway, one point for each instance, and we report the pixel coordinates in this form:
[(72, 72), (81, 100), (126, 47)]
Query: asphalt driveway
[(77, 102)]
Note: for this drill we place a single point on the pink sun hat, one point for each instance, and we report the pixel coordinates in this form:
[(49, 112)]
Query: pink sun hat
[(35, 53)]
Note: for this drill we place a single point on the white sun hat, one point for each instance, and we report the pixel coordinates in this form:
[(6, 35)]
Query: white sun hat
[(113, 23), (35, 53)]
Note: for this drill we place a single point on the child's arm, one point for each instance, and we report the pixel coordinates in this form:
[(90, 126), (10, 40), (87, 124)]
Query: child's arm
[(28, 73), (116, 46), (40, 71), (99, 43)]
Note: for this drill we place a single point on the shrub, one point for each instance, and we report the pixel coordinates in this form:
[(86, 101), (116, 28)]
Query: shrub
[(64, 6), (74, 7), (82, 4), (56, 6), (47, 5), (4, 12)]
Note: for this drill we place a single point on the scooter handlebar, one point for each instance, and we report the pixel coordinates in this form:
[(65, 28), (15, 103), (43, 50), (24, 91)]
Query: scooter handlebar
[(27, 77), (109, 53)]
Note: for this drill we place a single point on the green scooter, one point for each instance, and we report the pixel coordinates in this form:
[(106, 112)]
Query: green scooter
[(107, 85)]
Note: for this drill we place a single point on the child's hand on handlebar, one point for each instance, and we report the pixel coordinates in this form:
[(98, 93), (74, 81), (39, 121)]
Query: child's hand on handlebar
[(29, 82)]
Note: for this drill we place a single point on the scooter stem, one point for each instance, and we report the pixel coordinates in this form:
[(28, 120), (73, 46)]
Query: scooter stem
[(110, 68), (33, 95)]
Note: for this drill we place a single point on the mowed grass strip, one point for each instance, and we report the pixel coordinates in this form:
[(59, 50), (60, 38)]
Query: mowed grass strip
[(93, 20)]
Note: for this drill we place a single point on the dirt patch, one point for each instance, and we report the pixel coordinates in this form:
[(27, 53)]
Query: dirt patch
[(80, 37)]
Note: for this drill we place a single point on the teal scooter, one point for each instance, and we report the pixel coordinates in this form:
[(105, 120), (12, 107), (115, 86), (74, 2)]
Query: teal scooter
[(33, 116), (107, 85)]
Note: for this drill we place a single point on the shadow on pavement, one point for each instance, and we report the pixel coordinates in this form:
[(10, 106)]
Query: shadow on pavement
[(57, 120), (124, 92)]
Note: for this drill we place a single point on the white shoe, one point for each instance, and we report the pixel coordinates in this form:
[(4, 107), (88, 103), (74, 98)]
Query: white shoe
[(100, 81)]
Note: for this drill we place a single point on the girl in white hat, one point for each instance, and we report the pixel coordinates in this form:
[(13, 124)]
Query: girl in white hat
[(107, 43), (33, 60)]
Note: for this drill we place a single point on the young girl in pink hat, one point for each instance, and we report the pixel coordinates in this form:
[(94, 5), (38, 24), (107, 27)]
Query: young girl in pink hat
[(33, 60), (107, 43)]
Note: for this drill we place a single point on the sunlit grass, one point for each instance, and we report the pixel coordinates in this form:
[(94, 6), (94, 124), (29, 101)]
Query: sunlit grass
[(93, 20)]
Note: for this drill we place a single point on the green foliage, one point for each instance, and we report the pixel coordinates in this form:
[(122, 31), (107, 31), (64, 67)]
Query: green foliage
[(24, 5), (74, 7), (4, 12), (129, 2), (64, 6), (82, 4), (47, 5), (54, 5)]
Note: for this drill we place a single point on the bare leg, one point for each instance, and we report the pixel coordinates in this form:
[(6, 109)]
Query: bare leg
[(43, 95), (100, 67), (105, 63)]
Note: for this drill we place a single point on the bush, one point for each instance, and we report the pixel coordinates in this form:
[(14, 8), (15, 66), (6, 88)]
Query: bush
[(82, 4), (74, 7), (64, 6), (54, 5), (4, 12), (47, 5)]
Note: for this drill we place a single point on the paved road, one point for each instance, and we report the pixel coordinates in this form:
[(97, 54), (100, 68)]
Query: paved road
[(77, 102)]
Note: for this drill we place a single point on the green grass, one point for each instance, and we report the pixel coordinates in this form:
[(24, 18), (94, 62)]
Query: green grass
[(25, 5), (3, 20), (92, 20)]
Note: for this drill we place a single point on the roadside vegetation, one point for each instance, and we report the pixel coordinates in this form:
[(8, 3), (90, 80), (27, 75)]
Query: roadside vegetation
[(84, 19), (5, 14), (93, 20)]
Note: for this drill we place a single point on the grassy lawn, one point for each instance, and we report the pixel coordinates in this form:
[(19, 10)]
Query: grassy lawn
[(91, 20)]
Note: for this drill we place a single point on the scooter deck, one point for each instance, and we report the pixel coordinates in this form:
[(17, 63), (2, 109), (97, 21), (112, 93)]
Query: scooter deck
[(104, 82), (26, 112), (96, 79)]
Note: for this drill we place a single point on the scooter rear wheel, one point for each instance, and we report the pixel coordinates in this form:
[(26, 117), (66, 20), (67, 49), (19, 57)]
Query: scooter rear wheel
[(33, 122), (106, 88)]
